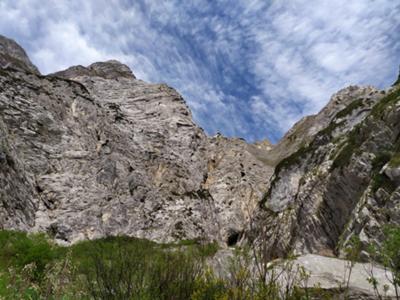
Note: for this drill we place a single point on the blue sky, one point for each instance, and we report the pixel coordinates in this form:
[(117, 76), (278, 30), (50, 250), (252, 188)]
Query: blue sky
[(247, 68)]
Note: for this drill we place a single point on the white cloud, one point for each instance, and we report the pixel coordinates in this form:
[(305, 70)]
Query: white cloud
[(248, 68), (63, 46), (314, 48)]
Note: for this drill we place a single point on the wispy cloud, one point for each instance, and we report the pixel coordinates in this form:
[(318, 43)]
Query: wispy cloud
[(247, 68)]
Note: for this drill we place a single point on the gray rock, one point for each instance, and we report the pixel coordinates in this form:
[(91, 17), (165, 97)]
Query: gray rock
[(92, 151), (329, 188), (331, 274), (13, 56), (107, 154), (111, 69)]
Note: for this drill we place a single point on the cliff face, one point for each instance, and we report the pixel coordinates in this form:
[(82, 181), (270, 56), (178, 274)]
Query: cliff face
[(93, 151), (341, 181)]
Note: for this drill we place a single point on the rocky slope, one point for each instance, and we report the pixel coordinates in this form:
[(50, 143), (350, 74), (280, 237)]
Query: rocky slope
[(92, 151), (341, 180)]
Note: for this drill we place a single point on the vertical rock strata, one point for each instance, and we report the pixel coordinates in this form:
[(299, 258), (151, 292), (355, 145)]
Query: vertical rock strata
[(93, 151), (339, 182)]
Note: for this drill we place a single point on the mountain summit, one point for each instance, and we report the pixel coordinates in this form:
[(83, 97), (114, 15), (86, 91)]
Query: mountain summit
[(92, 151), (13, 55)]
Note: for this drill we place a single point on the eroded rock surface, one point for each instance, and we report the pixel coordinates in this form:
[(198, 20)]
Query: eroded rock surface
[(331, 275), (341, 181), (14, 56), (92, 151)]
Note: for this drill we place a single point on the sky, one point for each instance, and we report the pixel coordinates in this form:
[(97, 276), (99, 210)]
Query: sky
[(246, 68)]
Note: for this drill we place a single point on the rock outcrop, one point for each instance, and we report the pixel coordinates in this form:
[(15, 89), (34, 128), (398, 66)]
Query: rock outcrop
[(92, 151), (13, 55), (341, 180)]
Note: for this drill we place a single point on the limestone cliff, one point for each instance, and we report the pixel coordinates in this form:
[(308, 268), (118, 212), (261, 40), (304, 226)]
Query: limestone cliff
[(340, 179), (92, 151)]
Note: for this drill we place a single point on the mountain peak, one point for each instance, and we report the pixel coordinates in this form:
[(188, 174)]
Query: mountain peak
[(13, 55), (110, 69)]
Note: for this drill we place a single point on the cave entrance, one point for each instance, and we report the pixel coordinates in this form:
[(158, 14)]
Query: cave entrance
[(233, 237)]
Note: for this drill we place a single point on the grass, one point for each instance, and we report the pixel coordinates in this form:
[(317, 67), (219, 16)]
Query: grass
[(137, 269), (380, 160), (395, 160), (33, 267), (354, 141), (390, 99), (349, 108), (20, 250), (128, 268)]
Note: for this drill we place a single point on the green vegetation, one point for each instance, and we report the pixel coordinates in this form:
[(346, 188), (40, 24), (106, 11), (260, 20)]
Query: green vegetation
[(320, 138), (354, 141), (293, 159), (388, 254), (33, 267), (381, 180), (352, 253), (390, 99), (380, 160), (356, 136), (349, 108), (395, 160), (285, 163)]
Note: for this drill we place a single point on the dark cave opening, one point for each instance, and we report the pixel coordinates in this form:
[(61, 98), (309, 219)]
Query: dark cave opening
[(233, 238)]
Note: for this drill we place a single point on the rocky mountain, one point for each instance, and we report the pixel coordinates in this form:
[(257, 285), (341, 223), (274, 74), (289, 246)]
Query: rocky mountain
[(93, 151), (340, 179)]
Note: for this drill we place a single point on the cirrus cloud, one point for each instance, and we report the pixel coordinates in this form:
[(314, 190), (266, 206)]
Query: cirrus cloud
[(248, 68)]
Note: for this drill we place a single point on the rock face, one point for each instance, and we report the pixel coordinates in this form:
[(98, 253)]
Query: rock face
[(330, 275), (236, 179), (12, 55), (92, 151), (341, 180)]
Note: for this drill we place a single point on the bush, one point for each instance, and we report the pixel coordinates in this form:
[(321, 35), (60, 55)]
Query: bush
[(20, 249), (379, 108), (128, 268), (395, 160), (388, 254), (32, 267)]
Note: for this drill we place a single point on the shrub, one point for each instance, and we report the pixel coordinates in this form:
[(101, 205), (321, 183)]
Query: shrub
[(128, 268), (395, 160), (354, 140), (390, 99), (349, 108), (20, 249), (388, 254)]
